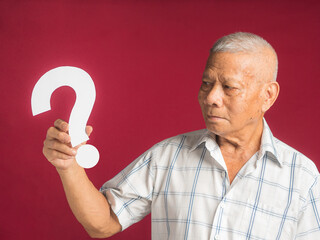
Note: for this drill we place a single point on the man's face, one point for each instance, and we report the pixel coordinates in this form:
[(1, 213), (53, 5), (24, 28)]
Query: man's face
[(230, 94)]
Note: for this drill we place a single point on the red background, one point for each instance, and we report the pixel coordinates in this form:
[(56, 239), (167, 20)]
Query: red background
[(146, 59)]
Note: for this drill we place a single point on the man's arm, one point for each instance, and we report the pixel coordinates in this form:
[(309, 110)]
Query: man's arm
[(308, 226), (88, 205)]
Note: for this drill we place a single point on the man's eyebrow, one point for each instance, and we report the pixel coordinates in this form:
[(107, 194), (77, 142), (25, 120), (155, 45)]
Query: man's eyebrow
[(232, 81), (228, 79), (206, 76)]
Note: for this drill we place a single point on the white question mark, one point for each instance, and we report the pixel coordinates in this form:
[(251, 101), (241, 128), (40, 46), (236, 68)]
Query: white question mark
[(81, 82)]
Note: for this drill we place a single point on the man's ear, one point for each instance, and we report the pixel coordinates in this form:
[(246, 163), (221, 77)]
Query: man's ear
[(270, 95)]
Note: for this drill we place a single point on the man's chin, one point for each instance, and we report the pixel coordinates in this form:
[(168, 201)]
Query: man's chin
[(216, 129)]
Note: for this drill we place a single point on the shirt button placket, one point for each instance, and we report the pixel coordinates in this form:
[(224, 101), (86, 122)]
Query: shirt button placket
[(221, 206)]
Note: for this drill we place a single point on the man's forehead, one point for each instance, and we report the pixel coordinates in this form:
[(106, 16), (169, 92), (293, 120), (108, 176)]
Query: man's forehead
[(225, 77), (218, 59), (235, 67)]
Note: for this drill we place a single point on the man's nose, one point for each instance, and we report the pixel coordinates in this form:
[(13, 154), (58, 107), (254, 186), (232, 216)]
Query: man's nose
[(214, 96)]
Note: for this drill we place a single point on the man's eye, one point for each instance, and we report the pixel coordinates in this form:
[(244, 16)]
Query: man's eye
[(205, 86), (227, 87)]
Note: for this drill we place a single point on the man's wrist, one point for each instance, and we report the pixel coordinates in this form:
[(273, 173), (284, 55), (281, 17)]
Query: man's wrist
[(73, 169)]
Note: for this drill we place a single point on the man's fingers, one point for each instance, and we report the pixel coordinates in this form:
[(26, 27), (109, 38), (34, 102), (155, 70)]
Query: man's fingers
[(53, 155), (89, 130), (61, 125), (54, 133), (60, 147), (57, 145)]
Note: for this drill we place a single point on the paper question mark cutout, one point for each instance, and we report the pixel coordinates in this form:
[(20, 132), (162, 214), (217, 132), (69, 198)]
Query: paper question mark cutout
[(81, 82)]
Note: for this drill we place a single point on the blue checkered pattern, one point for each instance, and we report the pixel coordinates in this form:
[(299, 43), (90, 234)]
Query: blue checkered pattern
[(183, 181)]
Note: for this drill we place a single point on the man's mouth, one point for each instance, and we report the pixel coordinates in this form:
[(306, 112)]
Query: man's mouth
[(214, 118)]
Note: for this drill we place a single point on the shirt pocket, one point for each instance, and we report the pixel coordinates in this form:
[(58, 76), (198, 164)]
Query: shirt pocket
[(275, 219)]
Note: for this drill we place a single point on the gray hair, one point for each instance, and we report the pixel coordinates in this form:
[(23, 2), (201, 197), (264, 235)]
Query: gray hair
[(243, 42)]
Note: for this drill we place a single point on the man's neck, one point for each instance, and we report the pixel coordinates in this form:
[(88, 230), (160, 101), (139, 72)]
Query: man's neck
[(243, 143), (237, 151)]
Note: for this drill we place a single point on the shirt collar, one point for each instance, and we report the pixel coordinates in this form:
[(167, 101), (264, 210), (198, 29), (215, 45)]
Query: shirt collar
[(203, 138), (268, 143)]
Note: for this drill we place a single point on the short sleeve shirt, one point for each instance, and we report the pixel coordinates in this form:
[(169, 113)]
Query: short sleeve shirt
[(183, 181)]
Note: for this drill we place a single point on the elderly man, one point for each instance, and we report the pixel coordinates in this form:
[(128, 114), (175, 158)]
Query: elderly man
[(233, 180)]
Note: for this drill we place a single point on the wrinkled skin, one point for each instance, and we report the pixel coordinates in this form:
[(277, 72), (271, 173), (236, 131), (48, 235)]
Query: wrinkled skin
[(237, 89)]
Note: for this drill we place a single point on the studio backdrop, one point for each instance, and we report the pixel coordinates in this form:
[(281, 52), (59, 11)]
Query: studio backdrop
[(146, 59)]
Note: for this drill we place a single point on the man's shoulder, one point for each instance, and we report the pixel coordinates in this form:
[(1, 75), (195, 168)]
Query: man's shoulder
[(186, 140), (288, 155), (193, 136)]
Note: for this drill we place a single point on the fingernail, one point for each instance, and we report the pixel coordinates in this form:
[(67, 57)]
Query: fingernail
[(74, 151), (67, 139), (64, 126)]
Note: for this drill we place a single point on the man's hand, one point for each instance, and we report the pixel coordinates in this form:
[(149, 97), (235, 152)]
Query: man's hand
[(88, 205), (57, 145)]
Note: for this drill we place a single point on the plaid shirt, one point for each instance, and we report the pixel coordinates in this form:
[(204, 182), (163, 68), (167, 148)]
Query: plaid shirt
[(184, 182)]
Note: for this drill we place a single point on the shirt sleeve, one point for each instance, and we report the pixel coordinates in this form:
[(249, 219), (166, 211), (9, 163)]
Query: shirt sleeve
[(130, 192), (309, 222)]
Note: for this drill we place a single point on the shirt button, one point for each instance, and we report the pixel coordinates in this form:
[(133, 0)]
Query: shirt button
[(222, 174), (216, 237), (222, 205)]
